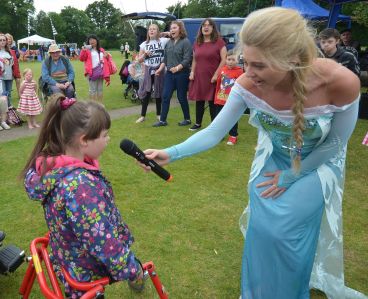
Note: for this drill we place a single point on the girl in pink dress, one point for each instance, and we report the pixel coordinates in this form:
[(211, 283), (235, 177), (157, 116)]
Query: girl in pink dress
[(29, 103)]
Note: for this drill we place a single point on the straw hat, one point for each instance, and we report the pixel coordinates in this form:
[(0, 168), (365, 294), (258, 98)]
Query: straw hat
[(54, 48)]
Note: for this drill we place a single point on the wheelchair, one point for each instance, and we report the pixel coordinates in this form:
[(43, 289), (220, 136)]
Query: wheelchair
[(39, 260), (44, 91)]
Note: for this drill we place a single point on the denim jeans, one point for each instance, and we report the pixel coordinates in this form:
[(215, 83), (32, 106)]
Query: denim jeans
[(7, 89), (179, 82)]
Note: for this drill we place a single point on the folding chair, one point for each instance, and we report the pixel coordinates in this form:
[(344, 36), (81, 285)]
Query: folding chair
[(93, 289)]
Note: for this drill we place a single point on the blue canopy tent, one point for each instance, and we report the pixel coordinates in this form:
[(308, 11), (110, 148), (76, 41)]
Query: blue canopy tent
[(313, 11)]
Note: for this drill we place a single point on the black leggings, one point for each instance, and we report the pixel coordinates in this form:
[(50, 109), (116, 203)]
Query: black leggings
[(200, 111), (146, 99)]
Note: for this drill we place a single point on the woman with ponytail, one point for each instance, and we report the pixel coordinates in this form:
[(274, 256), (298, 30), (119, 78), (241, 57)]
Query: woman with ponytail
[(305, 109), (63, 174)]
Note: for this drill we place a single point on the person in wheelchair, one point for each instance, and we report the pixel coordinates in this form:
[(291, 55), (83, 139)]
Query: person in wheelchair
[(58, 73)]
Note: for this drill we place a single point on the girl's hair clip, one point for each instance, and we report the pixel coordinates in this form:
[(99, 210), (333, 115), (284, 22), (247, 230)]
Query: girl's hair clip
[(66, 103)]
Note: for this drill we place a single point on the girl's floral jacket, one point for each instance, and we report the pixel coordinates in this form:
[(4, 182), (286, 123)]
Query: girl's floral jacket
[(87, 234)]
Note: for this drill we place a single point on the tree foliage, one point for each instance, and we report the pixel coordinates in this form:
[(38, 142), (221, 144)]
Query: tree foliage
[(104, 20), (13, 16)]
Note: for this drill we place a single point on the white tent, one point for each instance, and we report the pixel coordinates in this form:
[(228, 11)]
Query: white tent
[(35, 39)]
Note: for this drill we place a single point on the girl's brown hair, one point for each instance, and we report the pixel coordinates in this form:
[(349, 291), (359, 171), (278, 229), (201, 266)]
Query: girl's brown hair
[(60, 127), (214, 34), (182, 31)]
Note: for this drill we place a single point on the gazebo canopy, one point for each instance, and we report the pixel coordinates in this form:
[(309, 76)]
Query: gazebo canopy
[(35, 39)]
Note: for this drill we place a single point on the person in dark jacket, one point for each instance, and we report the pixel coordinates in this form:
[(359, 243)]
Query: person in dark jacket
[(329, 40)]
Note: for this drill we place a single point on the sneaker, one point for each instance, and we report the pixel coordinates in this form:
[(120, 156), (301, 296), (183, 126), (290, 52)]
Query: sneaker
[(185, 122), (195, 127), (5, 125), (232, 140), (137, 285), (140, 120), (160, 124)]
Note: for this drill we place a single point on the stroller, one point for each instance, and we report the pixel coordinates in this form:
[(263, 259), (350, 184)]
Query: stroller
[(132, 82)]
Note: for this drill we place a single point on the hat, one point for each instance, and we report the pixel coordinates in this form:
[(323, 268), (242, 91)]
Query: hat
[(54, 48)]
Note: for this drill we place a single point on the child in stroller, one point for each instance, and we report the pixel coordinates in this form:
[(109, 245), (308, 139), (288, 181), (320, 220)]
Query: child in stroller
[(130, 74)]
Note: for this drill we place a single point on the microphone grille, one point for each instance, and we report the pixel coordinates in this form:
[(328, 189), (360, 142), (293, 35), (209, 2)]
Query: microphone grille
[(127, 145)]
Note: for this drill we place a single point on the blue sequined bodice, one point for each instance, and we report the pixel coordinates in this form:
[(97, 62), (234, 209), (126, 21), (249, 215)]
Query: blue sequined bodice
[(280, 133)]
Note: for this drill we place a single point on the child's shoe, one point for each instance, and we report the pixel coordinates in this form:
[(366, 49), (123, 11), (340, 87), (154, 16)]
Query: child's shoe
[(5, 125), (232, 140), (138, 284)]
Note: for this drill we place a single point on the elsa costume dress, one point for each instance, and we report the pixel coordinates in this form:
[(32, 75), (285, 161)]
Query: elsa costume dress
[(294, 242)]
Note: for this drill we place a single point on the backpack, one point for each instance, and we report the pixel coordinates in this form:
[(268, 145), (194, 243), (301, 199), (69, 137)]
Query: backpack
[(13, 117)]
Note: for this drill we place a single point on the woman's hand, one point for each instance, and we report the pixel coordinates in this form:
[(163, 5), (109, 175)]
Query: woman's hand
[(105, 54), (158, 72), (214, 79), (159, 156), (273, 191), (191, 76)]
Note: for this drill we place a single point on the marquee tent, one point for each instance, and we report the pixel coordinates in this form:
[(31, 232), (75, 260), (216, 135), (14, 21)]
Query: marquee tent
[(35, 40), (312, 11)]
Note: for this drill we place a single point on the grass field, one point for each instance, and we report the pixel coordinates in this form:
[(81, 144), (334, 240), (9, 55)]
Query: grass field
[(189, 227)]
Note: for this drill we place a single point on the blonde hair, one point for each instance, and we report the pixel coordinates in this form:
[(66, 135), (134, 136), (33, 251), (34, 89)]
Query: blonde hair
[(26, 71), (285, 40), (8, 35)]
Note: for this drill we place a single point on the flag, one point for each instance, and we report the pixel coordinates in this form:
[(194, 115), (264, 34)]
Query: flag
[(29, 24), (54, 32)]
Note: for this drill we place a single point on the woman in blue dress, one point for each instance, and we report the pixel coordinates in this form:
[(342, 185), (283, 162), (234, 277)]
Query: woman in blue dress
[(305, 109)]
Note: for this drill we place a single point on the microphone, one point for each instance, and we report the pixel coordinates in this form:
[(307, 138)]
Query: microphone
[(130, 148)]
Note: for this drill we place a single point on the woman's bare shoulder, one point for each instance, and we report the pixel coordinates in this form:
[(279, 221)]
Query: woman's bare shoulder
[(342, 85)]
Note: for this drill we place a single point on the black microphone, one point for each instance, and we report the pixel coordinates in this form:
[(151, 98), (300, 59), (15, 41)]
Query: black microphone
[(130, 148)]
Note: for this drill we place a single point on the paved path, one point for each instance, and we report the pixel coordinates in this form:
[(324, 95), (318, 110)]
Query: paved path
[(23, 131)]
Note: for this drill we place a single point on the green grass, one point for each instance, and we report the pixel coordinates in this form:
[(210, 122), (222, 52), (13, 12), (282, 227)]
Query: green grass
[(189, 227)]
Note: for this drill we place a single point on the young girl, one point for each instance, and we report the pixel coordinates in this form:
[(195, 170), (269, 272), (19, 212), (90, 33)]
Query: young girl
[(152, 54), (29, 103), (88, 237)]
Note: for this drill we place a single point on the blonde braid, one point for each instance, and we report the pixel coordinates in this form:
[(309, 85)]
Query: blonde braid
[(299, 90)]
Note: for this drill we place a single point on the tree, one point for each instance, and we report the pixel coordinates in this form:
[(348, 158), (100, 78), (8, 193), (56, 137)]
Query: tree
[(42, 25), (14, 15), (177, 10), (103, 14), (76, 25), (107, 21)]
